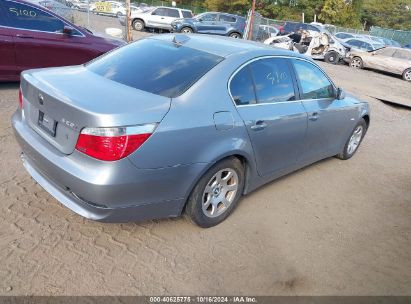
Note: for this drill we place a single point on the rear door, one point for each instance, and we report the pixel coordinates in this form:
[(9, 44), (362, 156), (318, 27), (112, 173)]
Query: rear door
[(39, 39), (225, 24), (157, 17), (172, 14), (7, 52), (329, 120), (264, 92), (207, 23)]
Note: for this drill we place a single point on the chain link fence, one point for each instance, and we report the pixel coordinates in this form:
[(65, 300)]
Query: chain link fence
[(403, 37)]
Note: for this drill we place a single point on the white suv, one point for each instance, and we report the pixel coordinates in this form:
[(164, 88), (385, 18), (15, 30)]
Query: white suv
[(159, 17)]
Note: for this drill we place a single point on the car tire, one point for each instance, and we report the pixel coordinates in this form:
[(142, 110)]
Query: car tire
[(119, 14), (354, 141), (216, 194), (407, 75), (138, 25), (187, 30), (235, 35), (332, 57), (356, 63)]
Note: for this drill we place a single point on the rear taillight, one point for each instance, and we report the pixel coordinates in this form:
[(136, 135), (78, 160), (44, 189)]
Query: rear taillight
[(113, 143), (20, 99)]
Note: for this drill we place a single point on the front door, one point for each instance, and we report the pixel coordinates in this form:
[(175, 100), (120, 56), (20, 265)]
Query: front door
[(39, 39), (330, 120), (264, 92), (207, 24)]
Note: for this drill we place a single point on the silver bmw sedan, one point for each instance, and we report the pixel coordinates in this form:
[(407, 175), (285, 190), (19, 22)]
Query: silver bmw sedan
[(179, 124)]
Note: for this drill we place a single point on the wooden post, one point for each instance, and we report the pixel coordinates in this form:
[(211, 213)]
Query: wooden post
[(129, 35), (250, 31)]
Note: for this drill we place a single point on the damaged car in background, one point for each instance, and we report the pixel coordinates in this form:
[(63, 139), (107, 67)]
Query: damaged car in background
[(388, 59), (317, 45)]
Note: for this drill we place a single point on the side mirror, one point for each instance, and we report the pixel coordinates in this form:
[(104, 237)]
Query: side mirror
[(200, 19), (68, 30), (340, 94)]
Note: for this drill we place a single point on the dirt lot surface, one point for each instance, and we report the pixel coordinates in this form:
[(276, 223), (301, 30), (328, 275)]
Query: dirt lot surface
[(334, 228)]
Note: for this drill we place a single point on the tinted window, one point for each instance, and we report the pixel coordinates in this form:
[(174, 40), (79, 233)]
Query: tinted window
[(343, 36), (242, 88), (312, 28), (226, 18), (273, 80), (155, 66), (187, 14), (354, 43), (27, 17), (314, 83), (172, 13), (160, 12), (208, 17)]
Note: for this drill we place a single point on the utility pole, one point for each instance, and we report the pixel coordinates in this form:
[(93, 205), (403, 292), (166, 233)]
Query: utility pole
[(250, 31), (129, 35)]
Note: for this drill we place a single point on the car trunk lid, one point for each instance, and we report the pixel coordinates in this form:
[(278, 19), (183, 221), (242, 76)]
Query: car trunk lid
[(60, 102)]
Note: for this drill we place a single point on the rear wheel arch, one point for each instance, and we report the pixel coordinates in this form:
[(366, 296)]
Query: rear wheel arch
[(235, 33), (245, 161)]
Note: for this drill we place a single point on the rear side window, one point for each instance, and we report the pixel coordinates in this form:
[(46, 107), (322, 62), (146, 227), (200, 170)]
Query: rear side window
[(158, 67), (23, 16), (226, 18), (273, 80), (172, 13), (314, 84), (242, 87), (187, 14)]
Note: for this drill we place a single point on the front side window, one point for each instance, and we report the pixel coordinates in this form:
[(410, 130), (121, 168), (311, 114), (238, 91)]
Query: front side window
[(208, 17), (160, 12), (164, 68), (242, 87), (273, 80), (314, 84), (22, 16)]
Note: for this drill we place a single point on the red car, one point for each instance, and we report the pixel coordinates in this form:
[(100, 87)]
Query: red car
[(31, 36)]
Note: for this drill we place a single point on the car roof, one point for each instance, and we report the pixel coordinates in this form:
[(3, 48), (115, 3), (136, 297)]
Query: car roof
[(226, 46)]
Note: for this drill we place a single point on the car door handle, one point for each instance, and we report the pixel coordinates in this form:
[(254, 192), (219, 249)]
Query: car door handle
[(258, 126), (313, 116)]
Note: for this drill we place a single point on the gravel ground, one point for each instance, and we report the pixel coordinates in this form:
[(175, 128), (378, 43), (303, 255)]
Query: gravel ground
[(333, 228)]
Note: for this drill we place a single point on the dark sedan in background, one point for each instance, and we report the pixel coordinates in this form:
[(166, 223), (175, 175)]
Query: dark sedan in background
[(31, 36), (211, 23)]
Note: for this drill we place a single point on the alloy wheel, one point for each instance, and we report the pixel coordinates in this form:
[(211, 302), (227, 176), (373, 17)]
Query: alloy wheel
[(356, 63), (355, 140), (220, 192)]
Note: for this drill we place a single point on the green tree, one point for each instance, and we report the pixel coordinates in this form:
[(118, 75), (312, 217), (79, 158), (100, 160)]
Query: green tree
[(394, 14)]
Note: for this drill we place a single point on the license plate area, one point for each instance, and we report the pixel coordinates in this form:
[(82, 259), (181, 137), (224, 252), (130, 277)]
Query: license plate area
[(47, 123)]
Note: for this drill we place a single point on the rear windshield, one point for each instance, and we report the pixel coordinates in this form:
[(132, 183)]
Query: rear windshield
[(158, 67)]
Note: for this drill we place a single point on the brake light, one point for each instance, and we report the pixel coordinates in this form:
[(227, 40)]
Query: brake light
[(112, 144), (20, 99)]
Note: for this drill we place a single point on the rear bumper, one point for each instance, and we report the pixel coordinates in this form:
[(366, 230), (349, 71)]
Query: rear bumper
[(104, 191)]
